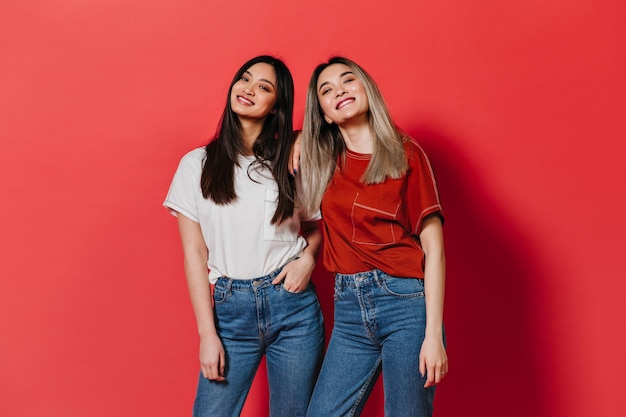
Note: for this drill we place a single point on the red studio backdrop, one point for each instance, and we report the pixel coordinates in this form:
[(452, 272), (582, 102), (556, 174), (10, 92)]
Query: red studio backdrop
[(520, 106)]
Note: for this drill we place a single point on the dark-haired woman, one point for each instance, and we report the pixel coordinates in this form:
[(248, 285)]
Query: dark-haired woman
[(383, 239), (239, 215)]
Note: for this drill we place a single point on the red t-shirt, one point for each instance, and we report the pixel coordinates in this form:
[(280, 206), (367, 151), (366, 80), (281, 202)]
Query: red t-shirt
[(377, 226)]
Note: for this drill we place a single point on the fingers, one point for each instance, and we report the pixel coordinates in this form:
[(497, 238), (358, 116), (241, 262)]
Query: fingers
[(293, 282), (294, 161), (280, 277), (214, 370), (294, 288), (295, 164), (434, 373), (431, 377), (222, 365), (295, 285)]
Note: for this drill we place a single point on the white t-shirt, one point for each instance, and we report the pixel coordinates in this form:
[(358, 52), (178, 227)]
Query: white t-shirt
[(240, 238)]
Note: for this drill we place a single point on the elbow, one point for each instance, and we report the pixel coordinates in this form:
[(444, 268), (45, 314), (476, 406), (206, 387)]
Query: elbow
[(435, 255)]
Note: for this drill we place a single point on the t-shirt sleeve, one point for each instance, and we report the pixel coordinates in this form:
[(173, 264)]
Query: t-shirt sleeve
[(185, 187), (423, 195)]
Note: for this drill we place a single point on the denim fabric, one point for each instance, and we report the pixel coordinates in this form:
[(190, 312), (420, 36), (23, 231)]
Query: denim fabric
[(255, 317), (380, 323)]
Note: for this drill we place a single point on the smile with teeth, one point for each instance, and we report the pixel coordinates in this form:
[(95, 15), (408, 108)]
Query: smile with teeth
[(244, 101), (344, 103)]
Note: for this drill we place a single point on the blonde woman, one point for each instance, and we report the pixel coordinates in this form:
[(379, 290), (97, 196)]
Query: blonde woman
[(382, 228)]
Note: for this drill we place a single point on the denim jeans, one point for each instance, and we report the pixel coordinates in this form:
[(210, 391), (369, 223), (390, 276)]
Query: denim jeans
[(256, 318), (380, 324)]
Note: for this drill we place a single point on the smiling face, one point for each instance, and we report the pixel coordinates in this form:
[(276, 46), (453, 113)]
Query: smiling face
[(254, 95), (341, 95)]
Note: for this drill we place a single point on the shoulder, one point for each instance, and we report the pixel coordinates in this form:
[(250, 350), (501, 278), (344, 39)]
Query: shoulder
[(193, 159), (194, 155), (191, 163), (414, 152)]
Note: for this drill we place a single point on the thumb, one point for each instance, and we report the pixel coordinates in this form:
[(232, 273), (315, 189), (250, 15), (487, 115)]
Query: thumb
[(280, 277), (422, 367)]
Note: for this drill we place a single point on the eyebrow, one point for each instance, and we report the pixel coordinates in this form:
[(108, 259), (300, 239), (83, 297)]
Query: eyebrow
[(260, 79), (341, 76)]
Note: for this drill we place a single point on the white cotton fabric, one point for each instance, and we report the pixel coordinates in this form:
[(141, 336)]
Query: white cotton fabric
[(240, 238)]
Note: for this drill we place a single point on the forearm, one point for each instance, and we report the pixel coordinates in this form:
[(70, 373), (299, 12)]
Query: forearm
[(434, 274), (200, 294), (434, 290), (313, 236), (433, 357), (196, 255)]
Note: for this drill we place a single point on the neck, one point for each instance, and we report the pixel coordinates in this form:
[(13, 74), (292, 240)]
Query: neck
[(250, 130), (358, 138)]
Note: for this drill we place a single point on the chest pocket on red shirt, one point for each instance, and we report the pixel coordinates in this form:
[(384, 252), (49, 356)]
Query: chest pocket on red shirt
[(373, 221)]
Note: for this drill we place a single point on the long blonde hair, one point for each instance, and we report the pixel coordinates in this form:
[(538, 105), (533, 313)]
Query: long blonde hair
[(322, 143)]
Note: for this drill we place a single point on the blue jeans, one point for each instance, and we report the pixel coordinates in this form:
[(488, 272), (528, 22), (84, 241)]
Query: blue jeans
[(380, 324), (256, 318)]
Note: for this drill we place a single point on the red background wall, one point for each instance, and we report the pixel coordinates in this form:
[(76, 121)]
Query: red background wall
[(519, 104)]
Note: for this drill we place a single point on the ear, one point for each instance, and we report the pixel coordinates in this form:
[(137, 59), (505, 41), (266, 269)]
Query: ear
[(328, 120)]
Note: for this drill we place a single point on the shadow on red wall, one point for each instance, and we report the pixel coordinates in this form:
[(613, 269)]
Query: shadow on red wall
[(494, 369)]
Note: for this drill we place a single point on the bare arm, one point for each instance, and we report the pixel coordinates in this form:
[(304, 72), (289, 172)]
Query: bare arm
[(433, 357), (298, 273), (212, 358)]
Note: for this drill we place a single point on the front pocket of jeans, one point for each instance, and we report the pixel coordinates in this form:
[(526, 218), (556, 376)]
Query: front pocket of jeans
[(404, 287), (220, 293), (308, 288)]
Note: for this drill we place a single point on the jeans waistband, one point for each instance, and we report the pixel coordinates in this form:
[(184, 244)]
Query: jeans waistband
[(249, 284), (375, 276)]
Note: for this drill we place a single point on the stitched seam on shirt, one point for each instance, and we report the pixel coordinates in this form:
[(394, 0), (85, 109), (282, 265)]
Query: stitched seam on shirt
[(390, 214)]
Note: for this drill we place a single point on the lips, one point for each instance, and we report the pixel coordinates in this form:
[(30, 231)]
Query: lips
[(244, 101), (344, 103)]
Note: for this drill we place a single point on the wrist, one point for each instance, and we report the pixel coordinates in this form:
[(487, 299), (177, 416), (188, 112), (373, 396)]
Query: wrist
[(308, 256), (434, 331), (207, 333)]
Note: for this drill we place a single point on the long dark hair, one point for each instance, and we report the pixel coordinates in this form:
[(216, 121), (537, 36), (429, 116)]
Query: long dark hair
[(271, 147)]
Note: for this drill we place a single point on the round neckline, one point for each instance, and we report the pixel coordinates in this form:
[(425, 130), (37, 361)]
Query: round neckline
[(247, 158), (357, 155)]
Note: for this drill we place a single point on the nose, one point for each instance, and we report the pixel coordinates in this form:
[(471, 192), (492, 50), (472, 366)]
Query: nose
[(248, 90), (341, 91)]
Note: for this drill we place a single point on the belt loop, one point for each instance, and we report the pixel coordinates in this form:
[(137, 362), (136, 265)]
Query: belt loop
[(377, 278), (339, 282), (229, 284)]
